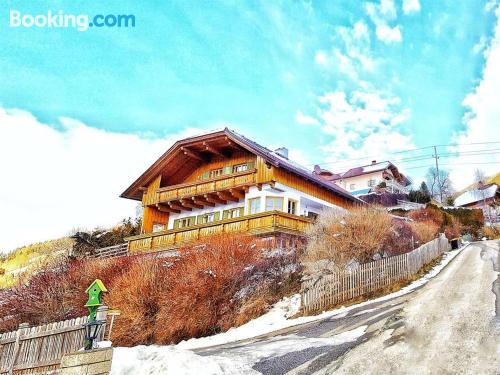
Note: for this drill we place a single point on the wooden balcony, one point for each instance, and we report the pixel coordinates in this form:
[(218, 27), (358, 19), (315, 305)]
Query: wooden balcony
[(262, 223), (203, 192)]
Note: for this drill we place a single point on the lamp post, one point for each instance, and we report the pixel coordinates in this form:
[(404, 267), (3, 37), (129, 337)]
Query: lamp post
[(93, 326)]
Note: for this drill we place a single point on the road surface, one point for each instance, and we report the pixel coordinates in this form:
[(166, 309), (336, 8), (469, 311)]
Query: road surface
[(451, 325)]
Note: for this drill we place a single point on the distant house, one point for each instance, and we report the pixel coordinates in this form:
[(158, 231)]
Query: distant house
[(383, 176), (223, 182), (485, 197)]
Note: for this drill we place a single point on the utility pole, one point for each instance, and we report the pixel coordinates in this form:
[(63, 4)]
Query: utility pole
[(435, 156)]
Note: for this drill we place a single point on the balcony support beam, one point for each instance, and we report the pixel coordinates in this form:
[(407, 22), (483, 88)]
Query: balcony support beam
[(178, 207), (190, 204), (164, 208), (227, 197), (212, 198), (202, 202), (237, 193)]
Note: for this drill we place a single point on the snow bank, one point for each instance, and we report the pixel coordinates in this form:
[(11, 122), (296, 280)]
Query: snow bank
[(166, 360)]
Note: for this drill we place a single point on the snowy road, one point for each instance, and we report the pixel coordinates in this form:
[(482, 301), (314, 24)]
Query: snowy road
[(447, 326)]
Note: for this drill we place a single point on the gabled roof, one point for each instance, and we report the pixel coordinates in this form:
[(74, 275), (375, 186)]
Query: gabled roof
[(271, 157), (476, 195)]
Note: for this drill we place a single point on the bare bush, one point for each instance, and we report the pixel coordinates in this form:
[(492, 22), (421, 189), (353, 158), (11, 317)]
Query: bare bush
[(339, 237), (425, 230)]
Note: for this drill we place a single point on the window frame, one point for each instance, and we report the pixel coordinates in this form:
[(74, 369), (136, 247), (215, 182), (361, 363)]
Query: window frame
[(258, 206), (274, 199), (295, 205)]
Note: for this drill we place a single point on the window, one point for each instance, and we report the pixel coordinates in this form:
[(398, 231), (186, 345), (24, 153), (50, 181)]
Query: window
[(274, 204), (352, 186), (184, 222), (371, 183), (215, 173), (254, 206), (240, 168), (208, 218), (312, 215), (292, 207), (232, 213), (157, 227)]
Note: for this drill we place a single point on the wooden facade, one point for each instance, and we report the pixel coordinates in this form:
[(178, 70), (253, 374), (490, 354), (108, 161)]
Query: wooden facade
[(209, 172)]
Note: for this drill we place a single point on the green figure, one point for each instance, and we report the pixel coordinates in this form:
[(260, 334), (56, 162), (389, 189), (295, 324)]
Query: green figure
[(94, 291)]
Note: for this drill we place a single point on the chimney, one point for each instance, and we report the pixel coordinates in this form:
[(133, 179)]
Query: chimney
[(282, 151), (374, 162)]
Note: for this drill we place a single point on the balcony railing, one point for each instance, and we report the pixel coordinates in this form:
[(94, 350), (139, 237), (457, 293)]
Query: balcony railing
[(201, 187), (265, 222)]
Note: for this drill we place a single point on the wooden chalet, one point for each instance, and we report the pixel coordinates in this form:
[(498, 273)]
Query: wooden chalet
[(222, 182)]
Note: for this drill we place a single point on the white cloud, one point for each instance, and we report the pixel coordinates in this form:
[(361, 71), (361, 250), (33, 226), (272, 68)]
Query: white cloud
[(411, 6), (352, 56), (389, 34), (362, 124), (56, 179), (304, 119), (381, 14), (480, 45), (321, 58), (481, 119)]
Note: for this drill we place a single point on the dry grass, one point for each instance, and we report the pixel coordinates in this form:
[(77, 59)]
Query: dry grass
[(425, 230), (339, 237), (492, 233)]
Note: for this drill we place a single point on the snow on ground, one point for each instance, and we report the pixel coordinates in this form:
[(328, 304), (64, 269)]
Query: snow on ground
[(156, 360), (180, 359)]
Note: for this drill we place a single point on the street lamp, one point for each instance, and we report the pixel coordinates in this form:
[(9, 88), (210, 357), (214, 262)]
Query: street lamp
[(92, 329)]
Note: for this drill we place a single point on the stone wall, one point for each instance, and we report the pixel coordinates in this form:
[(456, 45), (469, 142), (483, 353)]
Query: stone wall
[(92, 362)]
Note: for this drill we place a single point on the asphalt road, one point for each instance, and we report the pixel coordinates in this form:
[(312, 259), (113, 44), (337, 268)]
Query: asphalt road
[(451, 325)]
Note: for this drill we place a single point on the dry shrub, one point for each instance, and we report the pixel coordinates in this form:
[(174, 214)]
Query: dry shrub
[(401, 239), (429, 213), (56, 292), (491, 232), (425, 231), (453, 229), (136, 294), (339, 237), (202, 285)]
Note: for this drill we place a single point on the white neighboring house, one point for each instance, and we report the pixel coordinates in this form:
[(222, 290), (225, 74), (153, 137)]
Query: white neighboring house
[(485, 197), (363, 180)]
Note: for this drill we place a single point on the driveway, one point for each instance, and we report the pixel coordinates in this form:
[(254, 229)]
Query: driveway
[(451, 325)]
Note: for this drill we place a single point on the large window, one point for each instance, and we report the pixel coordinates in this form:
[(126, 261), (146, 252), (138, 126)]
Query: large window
[(254, 206), (292, 207), (274, 204)]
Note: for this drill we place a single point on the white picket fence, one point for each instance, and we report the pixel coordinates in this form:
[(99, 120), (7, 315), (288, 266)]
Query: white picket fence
[(39, 349), (329, 290)]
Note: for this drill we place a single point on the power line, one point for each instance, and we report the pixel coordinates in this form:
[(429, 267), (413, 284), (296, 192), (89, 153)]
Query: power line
[(343, 161)]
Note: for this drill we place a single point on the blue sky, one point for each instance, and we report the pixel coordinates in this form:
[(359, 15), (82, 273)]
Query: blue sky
[(329, 79)]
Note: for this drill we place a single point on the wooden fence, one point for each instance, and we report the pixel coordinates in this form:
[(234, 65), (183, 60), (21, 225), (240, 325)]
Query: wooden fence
[(111, 251), (39, 349), (331, 289)]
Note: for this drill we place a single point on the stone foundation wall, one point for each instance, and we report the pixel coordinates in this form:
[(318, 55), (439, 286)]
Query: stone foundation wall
[(91, 362)]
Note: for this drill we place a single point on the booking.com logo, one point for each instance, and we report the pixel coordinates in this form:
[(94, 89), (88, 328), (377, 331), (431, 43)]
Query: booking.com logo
[(81, 22)]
